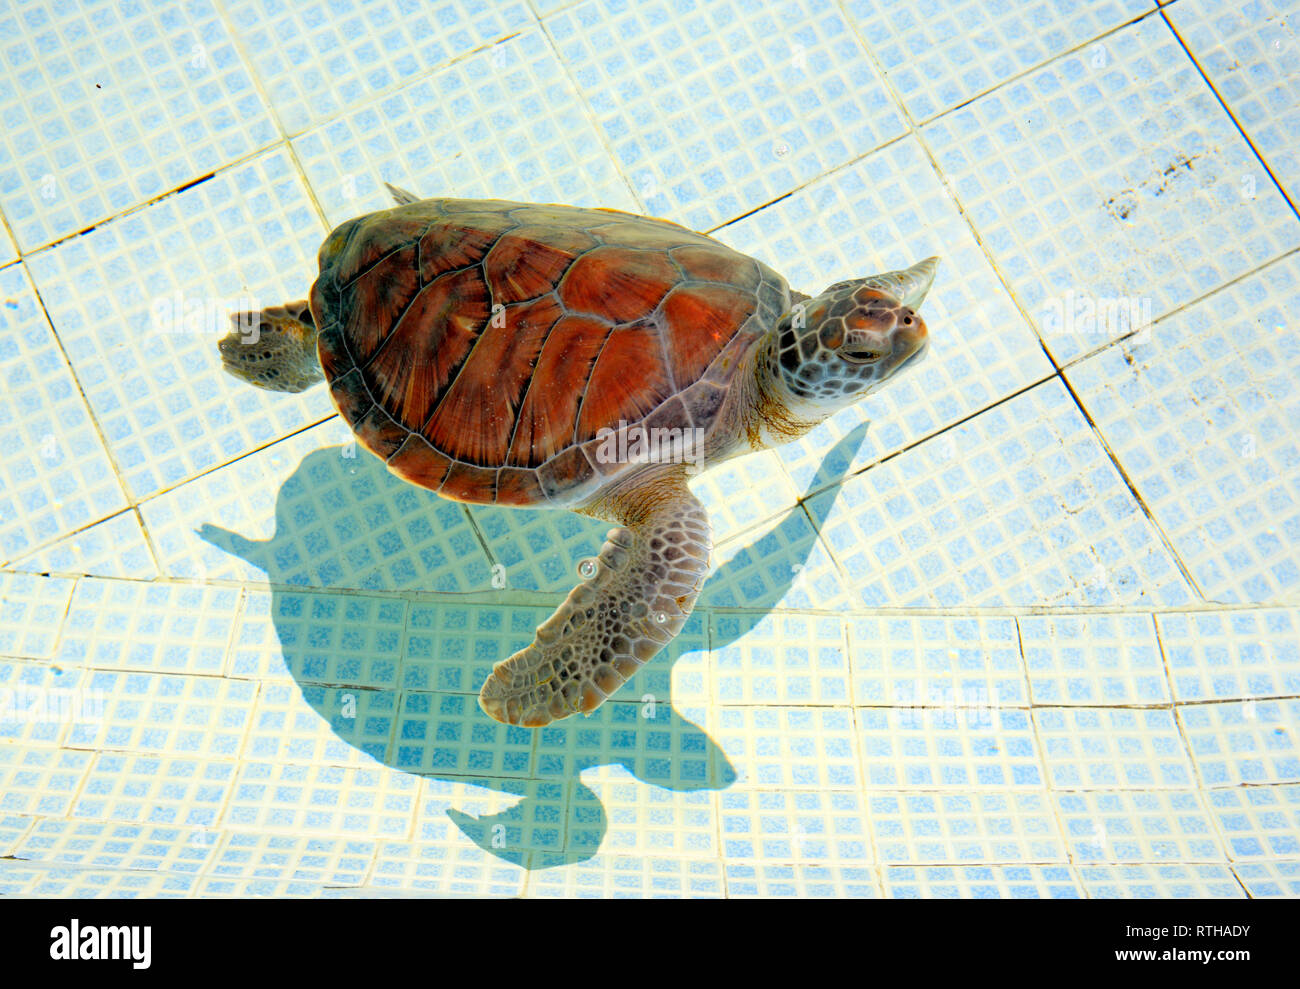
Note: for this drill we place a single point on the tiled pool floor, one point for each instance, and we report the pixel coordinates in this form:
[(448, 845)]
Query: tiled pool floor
[(1026, 623)]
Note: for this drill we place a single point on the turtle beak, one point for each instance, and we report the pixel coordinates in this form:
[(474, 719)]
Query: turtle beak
[(915, 282), (909, 285)]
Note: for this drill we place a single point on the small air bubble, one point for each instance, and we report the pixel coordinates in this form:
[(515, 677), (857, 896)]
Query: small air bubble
[(587, 568), (660, 617)]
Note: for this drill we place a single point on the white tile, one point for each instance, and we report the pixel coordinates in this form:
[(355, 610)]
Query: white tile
[(716, 109), (136, 626), (1162, 882), (163, 714), (1248, 51), (41, 779), (500, 124), (948, 664), (983, 882), (1244, 742), (1201, 412), (744, 493), (790, 747), (782, 565), (318, 799), (315, 59), (975, 826), (13, 828), (32, 612), (1232, 655), (782, 659), (338, 861), (948, 749), (8, 249), (55, 473), (446, 864), (108, 105), (149, 789), (1150, 826), (1258, 822), (800, 880), (37, 879), (39, 702), (806, 827), (654, 822), (883, 213), (1093, 660), (245, 238), (1110, 176), (1019, 506), (1270, 879), (115, 547), (109, 845), (938, 55), (1113, 748)]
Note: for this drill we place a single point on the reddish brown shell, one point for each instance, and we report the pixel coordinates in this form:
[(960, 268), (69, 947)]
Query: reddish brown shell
[(479, 346)]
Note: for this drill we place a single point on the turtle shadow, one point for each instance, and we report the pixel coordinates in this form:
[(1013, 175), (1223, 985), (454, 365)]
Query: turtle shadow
[(395, 670)]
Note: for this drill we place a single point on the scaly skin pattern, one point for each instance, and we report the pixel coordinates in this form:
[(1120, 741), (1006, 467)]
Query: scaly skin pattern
[(643, 588)]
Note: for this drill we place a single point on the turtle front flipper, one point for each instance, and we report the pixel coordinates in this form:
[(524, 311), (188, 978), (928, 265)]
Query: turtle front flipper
[(637, 597), (273, 348)]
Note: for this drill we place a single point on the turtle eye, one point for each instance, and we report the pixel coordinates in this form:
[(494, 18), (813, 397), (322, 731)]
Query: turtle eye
[(861, 355)]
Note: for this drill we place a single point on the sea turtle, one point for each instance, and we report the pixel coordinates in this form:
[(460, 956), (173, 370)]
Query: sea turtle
[(546, 356)]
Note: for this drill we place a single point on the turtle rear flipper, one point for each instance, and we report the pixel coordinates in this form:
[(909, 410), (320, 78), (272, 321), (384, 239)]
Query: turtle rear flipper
[(637, 597), (273, 348), (401, 196)]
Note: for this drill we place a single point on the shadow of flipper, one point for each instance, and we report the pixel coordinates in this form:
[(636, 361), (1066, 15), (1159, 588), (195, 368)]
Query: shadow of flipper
[(762, 575), (336, 640), (565, 831)]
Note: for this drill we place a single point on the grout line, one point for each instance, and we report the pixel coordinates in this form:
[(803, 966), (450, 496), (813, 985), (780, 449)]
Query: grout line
[(1087, 355), (549, 599), (134, 505), (250, 67), (588, 111), (859, 759), (880, 867), (1228, 110), (993, 264), (1056, 57), (100, 435), (147, 536), (1201, 788), (1123, 473)]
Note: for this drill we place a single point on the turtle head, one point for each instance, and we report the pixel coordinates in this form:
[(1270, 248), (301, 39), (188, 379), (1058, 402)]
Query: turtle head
[(833, 349)]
